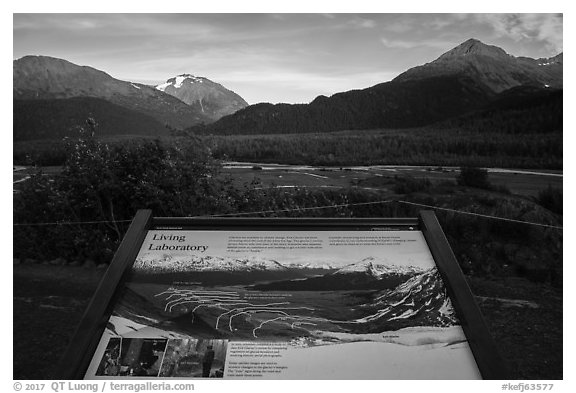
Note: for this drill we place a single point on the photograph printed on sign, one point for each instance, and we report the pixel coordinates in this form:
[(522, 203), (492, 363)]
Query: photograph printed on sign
[(132, 357)]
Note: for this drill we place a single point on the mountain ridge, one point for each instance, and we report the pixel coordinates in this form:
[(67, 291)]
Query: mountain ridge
[(53, 96), (387, 105), (371, 266), (460, 81), (44, 77), (362, 275), (192, 263), (491, 66)]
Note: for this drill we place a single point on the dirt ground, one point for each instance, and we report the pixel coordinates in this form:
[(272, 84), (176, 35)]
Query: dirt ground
[(524, 318), (49, 302)]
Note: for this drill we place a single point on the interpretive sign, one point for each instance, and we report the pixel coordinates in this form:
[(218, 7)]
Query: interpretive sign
[(288, 299)]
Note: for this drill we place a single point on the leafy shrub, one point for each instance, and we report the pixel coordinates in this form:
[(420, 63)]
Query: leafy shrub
[(551, 198), (502, 189), (409, 184), (474, 177), (104, 187)]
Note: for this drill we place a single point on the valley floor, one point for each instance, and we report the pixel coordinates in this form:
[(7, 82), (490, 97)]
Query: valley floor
[(519, 181)]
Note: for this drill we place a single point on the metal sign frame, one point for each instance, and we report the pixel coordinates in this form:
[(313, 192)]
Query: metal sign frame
[(79, 353)]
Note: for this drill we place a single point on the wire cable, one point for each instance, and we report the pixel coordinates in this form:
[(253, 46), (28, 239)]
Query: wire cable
[(482, 215), (296, 209), (306, 209)]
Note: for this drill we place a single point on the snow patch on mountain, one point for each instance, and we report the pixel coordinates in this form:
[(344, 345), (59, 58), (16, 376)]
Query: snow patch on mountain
[(422, 297), (178, 81), (446, 310), (298, 265), (163, 86), (309, 265)]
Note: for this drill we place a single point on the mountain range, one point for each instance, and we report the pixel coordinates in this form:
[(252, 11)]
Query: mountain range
[(468, 78), (492, 67), (368, 273), (268, 274), (51, 95), (187, 264), (210, 270), (371, 266)]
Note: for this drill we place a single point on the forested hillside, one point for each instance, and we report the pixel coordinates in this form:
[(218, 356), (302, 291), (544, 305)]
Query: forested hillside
[(55, 119), (520, 129), (387, 105)]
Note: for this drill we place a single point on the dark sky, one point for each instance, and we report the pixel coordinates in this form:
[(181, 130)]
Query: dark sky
[(275, 57)]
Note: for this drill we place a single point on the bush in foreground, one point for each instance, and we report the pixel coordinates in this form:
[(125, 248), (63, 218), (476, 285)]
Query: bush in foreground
[(474, 177), (103, 187), (551, 198)]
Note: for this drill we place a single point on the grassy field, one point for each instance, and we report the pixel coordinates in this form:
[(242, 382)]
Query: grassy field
[(49, 302), (525, 183)]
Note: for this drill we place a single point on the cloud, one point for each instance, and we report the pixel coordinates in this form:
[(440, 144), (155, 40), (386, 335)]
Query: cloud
[(440, 23), (414, 23), (302, 86), (400, 43), (363, 23), (303, 80), (546, 28), (410, 44)]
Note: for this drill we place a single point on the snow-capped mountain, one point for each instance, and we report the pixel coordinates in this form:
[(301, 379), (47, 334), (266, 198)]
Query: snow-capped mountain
[(369, 273), (210, 98), (177, 81), (298, 265), (295, 265), (551, 61), (186, 264), (41, 78), (420, 301), (371, 266)]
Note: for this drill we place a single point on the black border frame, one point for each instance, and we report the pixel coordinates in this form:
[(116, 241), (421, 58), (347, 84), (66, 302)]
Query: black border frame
[(80, 351)]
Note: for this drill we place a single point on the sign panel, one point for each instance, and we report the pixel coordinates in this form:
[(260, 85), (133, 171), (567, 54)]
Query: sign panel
[(284, 304)]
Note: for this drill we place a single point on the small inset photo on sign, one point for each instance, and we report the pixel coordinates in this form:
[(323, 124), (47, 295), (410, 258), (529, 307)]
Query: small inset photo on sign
[(132, 357), (192, 358)]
